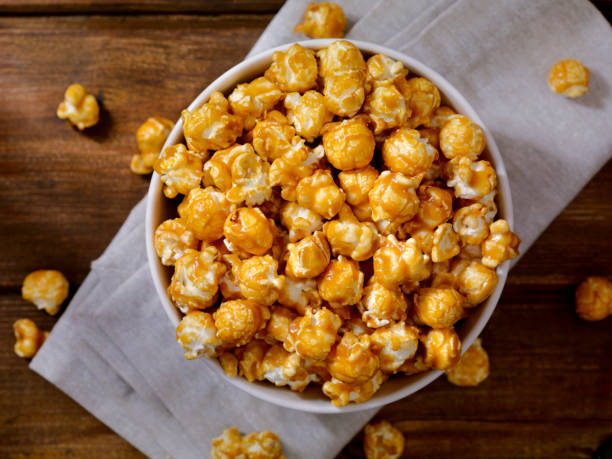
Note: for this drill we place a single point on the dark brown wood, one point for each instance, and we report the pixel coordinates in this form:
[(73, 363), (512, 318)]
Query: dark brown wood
[(64, 194)]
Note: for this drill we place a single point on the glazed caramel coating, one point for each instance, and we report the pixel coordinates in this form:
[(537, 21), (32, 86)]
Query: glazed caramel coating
[(471, 179), (180, 170), (501, 244), (28, 338), (476, 282), (313, 334), (259, 281), (344, 95), (46, 288), (279, 323), (320, 194), (197, 335), (406, 152), (594, 299), (171, 239), (79, 108), (470, 223), (229, 363), (473, 367), (248, 229), (399, 262), (252, 100), (357, 184), (283, 368), (322, 20), (341, 393), (461, 137), (300, 221), (298, 294), (298, 163), (442, 348), (238, 321), (204, 212), (422, 98), (394, 344), (340, 58), (309, 257), (382, 70), (347, 236), (307, 113), (439, 307), (272, 136), (382, 306), (249, 174), (386, 107), (352, 361), (250, 359), (569, 77), (262, 445), (393, 198), (348, 144), (435, 206), (293, 70), (382, 441), (341, 284), (445, 244)]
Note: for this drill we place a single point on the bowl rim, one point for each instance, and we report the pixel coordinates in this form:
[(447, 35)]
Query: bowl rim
[(271, 393)]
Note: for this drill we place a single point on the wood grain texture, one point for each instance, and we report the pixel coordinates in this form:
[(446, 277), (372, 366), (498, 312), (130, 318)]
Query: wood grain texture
[(64, 194)]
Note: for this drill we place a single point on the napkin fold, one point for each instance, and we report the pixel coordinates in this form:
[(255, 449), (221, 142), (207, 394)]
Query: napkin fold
[(113, 350)]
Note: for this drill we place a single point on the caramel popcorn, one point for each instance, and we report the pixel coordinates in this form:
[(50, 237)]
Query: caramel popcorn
[(258, 280), (386, 107), (471, 179), (357, 184), (399, 262), (279, 323), (594, 299), (470, 223), (394, 344), (196, 277), (352, 361), (180, 171), (294, 69), (347, 236), (439, 307), (382, 306), (300, 221), (406, 152), (473, 367), (283, 368), (296, 164), (320, 194), (569, 77), (307, 113), (476, 282), (229, 363), (252, 100), (171, 239), (348, 144), (212, 126), (422, 97), (197, 334), (436, 206), (442, 348), (78, 107), (322, 20), (151, 136), (445, 244), (28, 338), (250, 359), (342, 394), (262, 445), (249, 179), (382, 441), (237, 321), (393, 199), (441, 116), (249, 230), (309, 257), (217, 170), (415, 365), (204, 212), (459, 137), (313, 335), (299, 293), (341, 283), (46, 288), (273, 136), (383, 71), (501, 244)]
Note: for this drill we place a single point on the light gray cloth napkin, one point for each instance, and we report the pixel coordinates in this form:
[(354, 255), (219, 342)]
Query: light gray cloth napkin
[(113, 349)]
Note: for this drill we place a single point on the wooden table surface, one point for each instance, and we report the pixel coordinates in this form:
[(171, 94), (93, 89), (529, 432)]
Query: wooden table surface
[(64, 194)]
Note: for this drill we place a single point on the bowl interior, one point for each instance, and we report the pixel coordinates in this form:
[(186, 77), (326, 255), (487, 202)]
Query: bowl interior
[(160, 208)]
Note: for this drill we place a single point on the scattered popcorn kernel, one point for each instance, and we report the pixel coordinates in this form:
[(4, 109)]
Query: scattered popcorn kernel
[(473, 367), (252, 100), (357, 184), (300, 221), (471, 179), (439, 307), (445, 244), (470, 223), (171, 239), (348, 236), (569, 77), (399, 262), (262, 445), (294, 69), (196, 277), (307, 113), (382, 441), (406, 152), (297, 294), (212, 126), (322, 20), (436, 206), (501, 244), (393, 198), (250, 359), (415, 365), (313, 335), (249, 179), (228, 445), (341, 283), (237, 321), (259, 281), (442, 348), (394, 344), (197, 334), (179, 169), (283, 368), (204, 212), (594, 299), (229, 363), (279, 323), (79, 107), (422, 97), (249, 230), (151, 136), (320, 194), (382, 306), (352, 361), (382, 70), (309, 257), (46, 288), (460, 137), (341, 393), (441, 116), (138, 165), (476, 282), (29, 339), (296, 164), (272, 136), (386, 107), (348, 144)]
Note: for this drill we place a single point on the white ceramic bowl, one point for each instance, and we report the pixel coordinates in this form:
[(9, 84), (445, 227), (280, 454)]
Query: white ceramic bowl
[(159, 209)]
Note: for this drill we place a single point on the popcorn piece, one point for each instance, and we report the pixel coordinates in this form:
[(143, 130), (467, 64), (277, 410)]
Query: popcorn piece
[(352, 361), (386, 107), (259, 281), (382, 441), (470, 223), (348, 144), (322, 20), (442, 348), (217, 170), (313, 335), (299, 293), (569, 77), (432, 137), (252, 100), (29, 339), (228, 445), (180, 170), (296, 164), (476, 282), (382, 71), (272, 137), (249, 179), (471, 179), (228, 284), (294, 69), (204, 212), (473, 367), (423, 237), (339, 58), (229, 363), (212, 126), (344, 95), (445, 243), (341, 393), (382, 306), (171, 239), (237, 321), (594, 299), (489, 202), (197, 334), (393, 198), (282, 368), (400, 262), (347, 236), (196, 277), (436, 206), (249, 230), (307, 113), (250, 359), (501, 244), (394, 344), (460, 137), (300, 221), (406, 152), (341, 283), (320, 194), (78, 107), (439, 307), (422, 97), (279, 323), (363, 212), (262, 445), (309, 257), (415, 365), (441, 116), (46, 288), (357, 184), (355, 325), (151, 136)]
